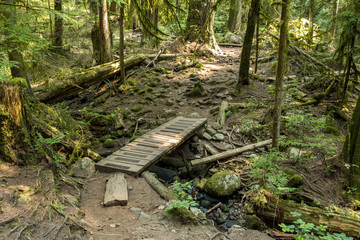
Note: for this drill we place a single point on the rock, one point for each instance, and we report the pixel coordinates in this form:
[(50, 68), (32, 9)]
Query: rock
[(229, 147), (181, 103), (194, 115), (161, 207), (168, 113), (295, 181), (136, 108), (113, 225), (119, 122), (200, 185), (205, 203), (163, 173), (87, 164), (290, 172), (198, 170), (135, 209), (212, 199), (216, 126), (169, 102), (253, 222), (197, 91), (109, 143), (228, 224), (207, 136), (294, 153), (143, 216), (219, 137), (233, 38), (223, 184), (211, 131), (331, 127)]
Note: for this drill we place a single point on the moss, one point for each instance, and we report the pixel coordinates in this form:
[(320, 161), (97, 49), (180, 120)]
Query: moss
[(197, 91), (141, 92), (21, 82), (180, 213), (137, 108), (169, 76), (295, 181), (222, 184), (132, 82), (153, 83), (109, 143), (201, 185), (331, 127), (253, 222), (144, 111), (290, 172), (160, 70)]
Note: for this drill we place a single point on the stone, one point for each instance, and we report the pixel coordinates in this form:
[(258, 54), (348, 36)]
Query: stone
[(211, 131), (205, 203), (136, 108), (181, 103), (143, 216), (219, 137), (168, 113), (294, 153), (223, 184), (119, 122), (207, 136), (197, 91), (331, 127), (229, 147), (87, 164), (109, 143), (195, 115), (295, 181), (169, 102), (135, 209), (253, 222), (163, 173), (216, 126), (201, 184)]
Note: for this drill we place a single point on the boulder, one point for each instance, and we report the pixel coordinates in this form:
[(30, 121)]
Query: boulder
[(109, 143), (223, 184)]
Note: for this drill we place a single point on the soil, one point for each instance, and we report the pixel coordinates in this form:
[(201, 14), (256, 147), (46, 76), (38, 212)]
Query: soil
[(28, 193)]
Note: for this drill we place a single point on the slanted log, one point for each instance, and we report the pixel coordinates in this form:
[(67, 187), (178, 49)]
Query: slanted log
[(116, 191), (210, 149), (82, 80), (221, 118), (280, 212), (164, 192), (229, 153)]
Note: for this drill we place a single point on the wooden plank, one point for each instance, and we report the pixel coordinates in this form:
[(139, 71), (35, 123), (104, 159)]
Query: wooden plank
[(151, 147), (116, 191)]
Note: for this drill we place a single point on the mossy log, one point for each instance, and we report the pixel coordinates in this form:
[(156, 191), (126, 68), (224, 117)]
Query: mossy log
[(14, 137), (164, 192), (82, 80), (280, 212)]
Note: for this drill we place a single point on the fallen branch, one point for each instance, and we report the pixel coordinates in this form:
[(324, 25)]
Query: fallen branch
[(280, 211), (213, 208), (229, 45), (230, 153), (182, 67), (210, 149), (164, 192)]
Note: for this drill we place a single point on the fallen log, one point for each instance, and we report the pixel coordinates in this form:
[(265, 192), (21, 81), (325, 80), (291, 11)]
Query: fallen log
[(182, 67), (229, 153), (82, 80), (116, 191), (221, 118), (280, 212), (164, 192), (229, 45), (210, 149)]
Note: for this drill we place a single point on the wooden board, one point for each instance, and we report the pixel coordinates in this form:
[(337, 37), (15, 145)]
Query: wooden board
[(116, 191), (151, 147)]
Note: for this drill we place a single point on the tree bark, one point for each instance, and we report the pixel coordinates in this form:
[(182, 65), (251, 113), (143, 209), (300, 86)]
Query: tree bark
[(351, 148), (257, 44), (105, 41), (82, 80), (248, 39), (230, 153), (333, 20), (349, 61), (59, 31), (311, 21), (121, 45), (280, 212), (283, 46), (234, 20)]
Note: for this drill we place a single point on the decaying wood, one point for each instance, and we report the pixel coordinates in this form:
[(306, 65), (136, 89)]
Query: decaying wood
[(164, 192), (182, 67), (84, 79), (221, 118), (229, 153), (168, 55), (280, 212), (210, 149), (229, 45), (214, 207), (116, 191)]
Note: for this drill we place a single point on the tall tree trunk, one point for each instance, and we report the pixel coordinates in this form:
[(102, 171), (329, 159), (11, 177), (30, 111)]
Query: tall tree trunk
[(333, 20), (234, 20), (105, 41), (246, 50), (349, 61), (121, 45), (351, 149), (282, 53), (311, 21), (257, 44), (50, 19), (58, 32)]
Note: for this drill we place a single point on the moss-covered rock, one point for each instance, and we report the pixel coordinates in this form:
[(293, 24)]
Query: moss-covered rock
[(290, 172), (197, 91), (137, 108), (168, 113), (180, 213), (109, 143), (254, 222), (223, 184), (201, 184), (295, 181), (331, 127)]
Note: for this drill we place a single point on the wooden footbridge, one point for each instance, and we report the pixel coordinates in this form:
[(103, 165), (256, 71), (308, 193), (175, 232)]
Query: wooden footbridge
[(151, 147)]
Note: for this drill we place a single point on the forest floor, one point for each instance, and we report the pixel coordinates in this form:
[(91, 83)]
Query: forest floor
[(28, 196)]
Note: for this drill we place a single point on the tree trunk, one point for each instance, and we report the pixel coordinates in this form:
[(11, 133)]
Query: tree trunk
[(257, 44), (234, 20), (105, 41), (351, 149), (82, 80), (95, 40), (246, 50), (283, 46), (311, 21), (58, 32), (121, 45), (334, 8), (349, 61)]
